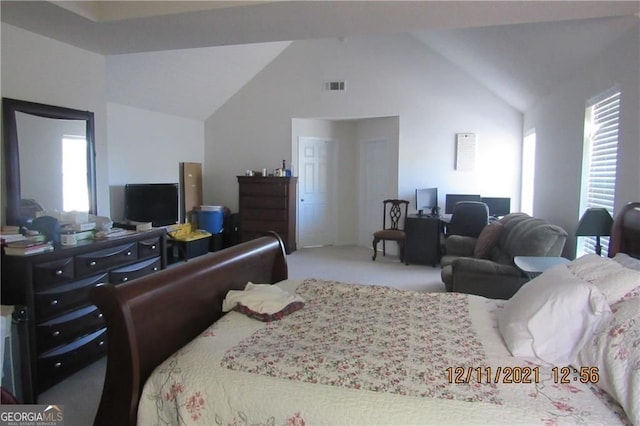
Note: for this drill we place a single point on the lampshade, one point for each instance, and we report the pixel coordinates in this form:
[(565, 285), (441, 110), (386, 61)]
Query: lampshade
[(595, 222)]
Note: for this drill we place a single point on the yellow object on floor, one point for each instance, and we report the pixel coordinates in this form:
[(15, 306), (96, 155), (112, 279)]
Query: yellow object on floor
[(186, 232)]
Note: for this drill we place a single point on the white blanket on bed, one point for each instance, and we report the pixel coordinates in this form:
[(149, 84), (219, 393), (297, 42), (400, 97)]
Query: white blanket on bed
[(262, 298), (363, 355)]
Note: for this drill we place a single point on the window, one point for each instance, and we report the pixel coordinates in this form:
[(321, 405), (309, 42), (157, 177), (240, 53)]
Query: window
[(528, 172), (74, 174), (600, 155)]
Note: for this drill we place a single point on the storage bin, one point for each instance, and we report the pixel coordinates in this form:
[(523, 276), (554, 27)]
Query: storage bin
[(211, 218)]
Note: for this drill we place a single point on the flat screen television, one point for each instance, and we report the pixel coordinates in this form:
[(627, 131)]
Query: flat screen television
[(498, 206), (427, 201), (152, 202), (452, 199)]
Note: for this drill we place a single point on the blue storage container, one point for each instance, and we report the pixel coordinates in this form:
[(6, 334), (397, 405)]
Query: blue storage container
[(211, 218)]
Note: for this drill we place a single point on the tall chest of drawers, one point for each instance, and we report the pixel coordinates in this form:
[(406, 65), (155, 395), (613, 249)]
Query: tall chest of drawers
[(65, 331), (268, 204)]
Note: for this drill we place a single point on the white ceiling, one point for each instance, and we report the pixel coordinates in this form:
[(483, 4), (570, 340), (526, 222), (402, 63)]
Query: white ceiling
[(515, 48)]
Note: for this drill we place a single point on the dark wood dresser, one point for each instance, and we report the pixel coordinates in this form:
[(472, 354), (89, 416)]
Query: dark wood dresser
[(268, 204), (65, 331)]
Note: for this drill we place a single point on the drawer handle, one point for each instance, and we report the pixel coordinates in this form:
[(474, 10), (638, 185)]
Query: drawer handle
[(128, 253), (125, 279), (101, 343), (155, 268), (100, 315), (153, 247), (54, 302), (55, 333), (59, 272), (57, 365), (93, 263)]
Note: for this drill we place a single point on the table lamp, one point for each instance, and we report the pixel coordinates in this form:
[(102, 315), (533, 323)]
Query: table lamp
[(595, 222)]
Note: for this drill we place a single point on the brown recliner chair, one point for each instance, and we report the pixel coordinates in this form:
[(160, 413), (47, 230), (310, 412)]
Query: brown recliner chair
[(493, 274), (395, 210)]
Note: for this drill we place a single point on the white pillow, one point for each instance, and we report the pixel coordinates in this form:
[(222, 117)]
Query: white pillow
[(614, 280), (551, 317), (627, 261), (615, 350)]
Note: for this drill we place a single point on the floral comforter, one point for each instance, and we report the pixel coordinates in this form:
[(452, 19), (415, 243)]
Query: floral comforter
[(365, 355)]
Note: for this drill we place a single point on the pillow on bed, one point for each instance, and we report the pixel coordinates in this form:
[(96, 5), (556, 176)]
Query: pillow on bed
[(488, 238), (627, 261), (552, 316), (615, 350), (614, 280)]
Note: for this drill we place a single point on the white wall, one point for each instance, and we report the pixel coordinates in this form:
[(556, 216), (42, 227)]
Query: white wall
[(148, 147), (39, 69), (386, 76), (559, 122)]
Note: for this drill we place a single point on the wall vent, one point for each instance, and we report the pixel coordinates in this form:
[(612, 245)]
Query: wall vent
[(335, 86)]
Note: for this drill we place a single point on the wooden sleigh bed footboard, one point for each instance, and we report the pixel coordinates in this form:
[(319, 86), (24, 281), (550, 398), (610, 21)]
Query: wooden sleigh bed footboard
[(152, 317)]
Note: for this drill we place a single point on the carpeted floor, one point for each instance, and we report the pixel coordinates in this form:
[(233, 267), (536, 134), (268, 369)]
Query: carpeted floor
[(354, 265), (80, 393)]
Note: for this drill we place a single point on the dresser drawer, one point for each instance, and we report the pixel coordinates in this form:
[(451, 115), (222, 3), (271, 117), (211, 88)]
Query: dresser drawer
[(58, 363), (265, 214), (262, 203), (252, 235), (137, 270), (262, 189), (54, 301), (149, 248), (67, 327), (263, 226), (53, 272), (101, 260)]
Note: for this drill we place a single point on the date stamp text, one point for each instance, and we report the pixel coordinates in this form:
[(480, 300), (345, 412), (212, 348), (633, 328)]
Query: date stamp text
[(518, 375)]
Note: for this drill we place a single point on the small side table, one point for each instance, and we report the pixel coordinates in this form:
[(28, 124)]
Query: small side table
[(535, 265), (422, 244)]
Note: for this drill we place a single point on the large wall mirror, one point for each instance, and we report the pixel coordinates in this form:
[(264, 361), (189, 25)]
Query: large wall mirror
[(49, 158)]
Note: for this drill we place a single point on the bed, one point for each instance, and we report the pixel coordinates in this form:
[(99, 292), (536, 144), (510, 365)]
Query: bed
[(362, 354)]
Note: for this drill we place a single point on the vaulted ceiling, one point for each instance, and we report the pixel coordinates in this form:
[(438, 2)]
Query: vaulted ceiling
[(518, 49)]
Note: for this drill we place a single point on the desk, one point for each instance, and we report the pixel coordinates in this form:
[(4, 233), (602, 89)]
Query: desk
[(422, 244), (535, 265)]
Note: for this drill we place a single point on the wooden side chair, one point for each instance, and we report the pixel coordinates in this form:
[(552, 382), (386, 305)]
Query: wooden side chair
[(393, 210)]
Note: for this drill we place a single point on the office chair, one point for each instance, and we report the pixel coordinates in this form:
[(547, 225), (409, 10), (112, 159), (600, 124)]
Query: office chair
[(468, 219), (394, 209)]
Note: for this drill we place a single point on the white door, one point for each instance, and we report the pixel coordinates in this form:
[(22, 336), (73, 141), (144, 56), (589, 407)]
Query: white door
[(375, 187), (316, 194)]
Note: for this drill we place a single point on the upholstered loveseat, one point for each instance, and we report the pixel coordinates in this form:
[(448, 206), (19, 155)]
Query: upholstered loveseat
[(484, 265)]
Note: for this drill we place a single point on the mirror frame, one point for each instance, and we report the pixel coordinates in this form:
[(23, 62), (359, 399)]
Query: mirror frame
[(12, 151)]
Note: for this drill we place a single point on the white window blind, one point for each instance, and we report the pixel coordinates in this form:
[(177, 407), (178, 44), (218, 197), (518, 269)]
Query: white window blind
[(601, 155)]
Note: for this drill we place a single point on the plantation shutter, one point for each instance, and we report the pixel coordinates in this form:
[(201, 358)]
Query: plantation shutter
[(603, 155)]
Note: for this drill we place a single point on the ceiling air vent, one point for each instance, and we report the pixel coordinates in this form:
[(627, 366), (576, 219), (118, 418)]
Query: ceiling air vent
[(335, 86)]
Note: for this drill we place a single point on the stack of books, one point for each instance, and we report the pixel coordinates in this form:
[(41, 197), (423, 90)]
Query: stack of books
[(134, 225), (113, 233), (82, 227), (26, 247), (9, 234), (79, 235)]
